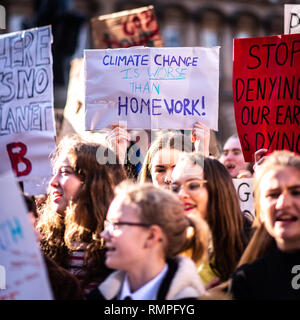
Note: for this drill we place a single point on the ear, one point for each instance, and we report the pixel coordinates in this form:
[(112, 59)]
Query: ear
[(155, 236)]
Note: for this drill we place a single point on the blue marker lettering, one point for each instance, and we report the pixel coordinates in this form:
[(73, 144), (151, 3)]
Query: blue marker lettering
[(107, 56), (16, 230), (136, 104), (155, 107), (122, 106), (170, 109), (194, 104), (155, 59), (147, 103), (181, 106), (186, 111)]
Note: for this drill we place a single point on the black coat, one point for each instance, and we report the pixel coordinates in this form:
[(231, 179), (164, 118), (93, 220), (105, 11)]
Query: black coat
[(272, 277)]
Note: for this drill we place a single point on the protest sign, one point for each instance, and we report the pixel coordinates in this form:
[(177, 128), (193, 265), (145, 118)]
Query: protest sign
[(137, 27), (244, 189), (291, 18), (152, 88), (27, 130), (266, 91), (25, 275), (74, 108)]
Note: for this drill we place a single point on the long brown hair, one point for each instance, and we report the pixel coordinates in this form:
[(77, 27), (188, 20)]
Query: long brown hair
[(85, 216), (224, 216)]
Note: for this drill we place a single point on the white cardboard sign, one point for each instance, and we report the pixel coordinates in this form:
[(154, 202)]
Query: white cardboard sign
[(291, 18), (23, 275), (244, 188), (27, 125), (152, 88)]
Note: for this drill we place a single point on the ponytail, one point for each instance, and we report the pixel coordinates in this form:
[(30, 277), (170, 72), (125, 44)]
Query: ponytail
[(197, 235)]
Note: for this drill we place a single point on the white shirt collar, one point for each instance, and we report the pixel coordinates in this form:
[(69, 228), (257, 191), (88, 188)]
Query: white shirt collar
[(147, 292)]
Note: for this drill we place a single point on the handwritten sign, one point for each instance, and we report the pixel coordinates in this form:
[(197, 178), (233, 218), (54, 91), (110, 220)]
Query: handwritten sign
[(74, 108), (266, 91), (291, 18), (25, 274), (244, 189), (152, 88), (27, 127), (137, 27)]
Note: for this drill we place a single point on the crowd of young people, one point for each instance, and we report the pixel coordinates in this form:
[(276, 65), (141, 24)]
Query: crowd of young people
[(175, 230)]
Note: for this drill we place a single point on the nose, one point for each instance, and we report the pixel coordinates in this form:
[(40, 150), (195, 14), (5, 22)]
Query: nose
[(168, 176), (283, 201), (167, 179), (54, 180), (229, 156), (182, 194), (105, 234)]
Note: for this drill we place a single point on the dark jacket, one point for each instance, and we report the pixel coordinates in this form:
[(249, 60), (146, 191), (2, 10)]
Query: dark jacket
[(268, 278)]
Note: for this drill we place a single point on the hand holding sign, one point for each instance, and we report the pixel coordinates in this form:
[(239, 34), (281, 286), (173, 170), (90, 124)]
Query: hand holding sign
[(118, 140), (201, 137)]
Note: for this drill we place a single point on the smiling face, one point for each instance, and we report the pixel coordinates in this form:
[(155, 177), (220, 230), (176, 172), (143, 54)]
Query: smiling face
[(64, 185), (187, 182), (280, 206), (125, 244), (232, 157), (163, 163)]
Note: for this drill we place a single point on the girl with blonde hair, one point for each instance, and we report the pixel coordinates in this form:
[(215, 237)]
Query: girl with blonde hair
[(145, 230), (267, 268)]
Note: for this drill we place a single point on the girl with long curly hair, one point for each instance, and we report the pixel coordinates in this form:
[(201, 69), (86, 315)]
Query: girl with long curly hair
[(73, 215)]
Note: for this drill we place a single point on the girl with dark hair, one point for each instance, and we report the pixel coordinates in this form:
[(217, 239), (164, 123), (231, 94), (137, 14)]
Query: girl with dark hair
[(205, 188)]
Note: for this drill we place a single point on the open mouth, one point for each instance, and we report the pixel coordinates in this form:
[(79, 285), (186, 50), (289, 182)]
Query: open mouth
[(56, 195), (286, 218), (189, 206), (110, 249), (230, 166)]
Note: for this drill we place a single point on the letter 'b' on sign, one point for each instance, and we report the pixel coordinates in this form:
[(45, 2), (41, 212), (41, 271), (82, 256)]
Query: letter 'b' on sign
[(16, 152)]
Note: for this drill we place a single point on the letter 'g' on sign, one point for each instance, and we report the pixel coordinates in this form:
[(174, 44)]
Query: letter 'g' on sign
[(16, 152)]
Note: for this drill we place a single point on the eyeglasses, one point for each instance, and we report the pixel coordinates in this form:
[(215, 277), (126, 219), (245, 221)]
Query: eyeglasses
[(189, 186), (110, 226)]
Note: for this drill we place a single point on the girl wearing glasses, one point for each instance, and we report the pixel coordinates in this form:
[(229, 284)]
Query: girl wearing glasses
[(269, 268), (146, 228), (205, 188), (72, 217)]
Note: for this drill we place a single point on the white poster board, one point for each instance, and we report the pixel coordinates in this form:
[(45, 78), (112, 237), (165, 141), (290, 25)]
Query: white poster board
[(152, 88), (244, 188), (291, 18), (27, 125), (25, 276)]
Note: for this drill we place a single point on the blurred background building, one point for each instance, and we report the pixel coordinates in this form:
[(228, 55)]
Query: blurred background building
[(182, 23)]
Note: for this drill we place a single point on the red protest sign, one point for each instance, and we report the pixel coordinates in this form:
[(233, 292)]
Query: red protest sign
[(266, 92)]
